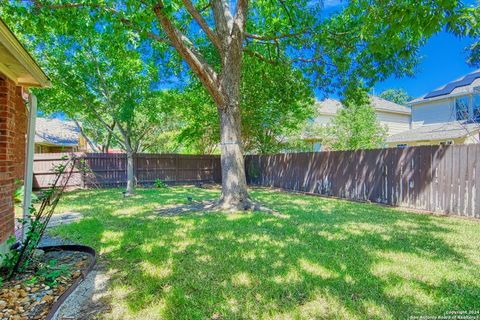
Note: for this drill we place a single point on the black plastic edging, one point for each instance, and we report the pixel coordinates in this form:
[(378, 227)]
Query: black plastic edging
[(73, 247)]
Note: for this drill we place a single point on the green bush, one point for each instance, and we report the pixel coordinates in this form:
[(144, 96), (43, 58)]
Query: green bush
[(160, 184)]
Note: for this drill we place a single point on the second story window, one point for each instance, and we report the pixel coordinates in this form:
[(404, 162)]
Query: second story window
[(461, 108), (476, 108)]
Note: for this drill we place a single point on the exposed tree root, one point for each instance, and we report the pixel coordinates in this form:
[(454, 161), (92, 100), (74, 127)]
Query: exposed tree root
[(213, 206)]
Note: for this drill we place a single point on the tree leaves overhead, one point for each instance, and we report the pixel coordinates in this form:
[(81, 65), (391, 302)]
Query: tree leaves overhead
[(276, 102), (368, 41), (101, 73)]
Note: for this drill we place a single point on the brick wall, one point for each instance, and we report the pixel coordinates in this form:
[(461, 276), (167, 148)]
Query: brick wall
[(13, 129)]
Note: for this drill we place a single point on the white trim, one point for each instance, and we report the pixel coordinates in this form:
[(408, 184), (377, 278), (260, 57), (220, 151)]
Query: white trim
[(28, 181), (442, 97)]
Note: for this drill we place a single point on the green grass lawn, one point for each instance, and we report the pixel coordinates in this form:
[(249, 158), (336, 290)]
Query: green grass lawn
[(319, 259)]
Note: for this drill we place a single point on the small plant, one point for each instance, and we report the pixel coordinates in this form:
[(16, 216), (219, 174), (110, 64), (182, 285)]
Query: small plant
[(160, 184), (32, 281), (19, 192), (51, 272), (9, 259), (20, 255)]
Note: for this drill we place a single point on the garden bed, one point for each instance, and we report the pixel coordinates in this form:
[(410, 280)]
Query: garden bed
[(39, 291)]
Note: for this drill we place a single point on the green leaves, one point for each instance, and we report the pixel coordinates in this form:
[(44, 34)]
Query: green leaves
[(102, 72), (399, 96), (276, 101), (355, 126)]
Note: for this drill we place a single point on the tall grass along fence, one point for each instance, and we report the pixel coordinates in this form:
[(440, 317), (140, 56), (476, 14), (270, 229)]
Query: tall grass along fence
[(110, 170), (442, 179)]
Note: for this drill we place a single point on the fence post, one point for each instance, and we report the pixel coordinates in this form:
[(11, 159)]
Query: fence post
[(135, 165), (176, 167), (83, 162)]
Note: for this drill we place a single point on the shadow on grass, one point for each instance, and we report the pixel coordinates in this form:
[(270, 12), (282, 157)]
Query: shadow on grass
[(324, 259)]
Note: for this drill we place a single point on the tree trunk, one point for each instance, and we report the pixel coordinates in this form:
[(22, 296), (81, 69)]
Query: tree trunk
[(130, 174), (228, 39), (234, 184)]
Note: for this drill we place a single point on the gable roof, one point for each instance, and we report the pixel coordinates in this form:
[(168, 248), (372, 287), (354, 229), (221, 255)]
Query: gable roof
[(16, 63), (437, 131), (331, 106), (56, 132), (462, 85)]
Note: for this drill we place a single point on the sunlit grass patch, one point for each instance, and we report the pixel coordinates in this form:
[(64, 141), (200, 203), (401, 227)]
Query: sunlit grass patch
[(317, 259)]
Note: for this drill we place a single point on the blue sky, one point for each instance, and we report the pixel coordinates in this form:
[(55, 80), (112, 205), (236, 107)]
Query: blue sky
[(443, 60)]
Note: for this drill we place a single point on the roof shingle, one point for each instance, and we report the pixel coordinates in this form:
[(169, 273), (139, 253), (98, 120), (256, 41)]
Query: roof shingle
[(331, 106), (56, 132), (437, 131)]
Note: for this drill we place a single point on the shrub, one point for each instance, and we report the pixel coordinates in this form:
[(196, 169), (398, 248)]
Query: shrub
[(160, 184)]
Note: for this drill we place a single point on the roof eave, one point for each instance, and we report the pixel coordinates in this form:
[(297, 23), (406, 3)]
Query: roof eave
[(13, 45), (466, 135), (443, 97)]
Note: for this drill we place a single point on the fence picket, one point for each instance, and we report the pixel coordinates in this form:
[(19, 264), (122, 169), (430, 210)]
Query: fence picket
[(443, 179)]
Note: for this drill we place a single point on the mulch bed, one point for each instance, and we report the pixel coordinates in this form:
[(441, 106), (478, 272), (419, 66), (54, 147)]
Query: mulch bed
[(30, 295)]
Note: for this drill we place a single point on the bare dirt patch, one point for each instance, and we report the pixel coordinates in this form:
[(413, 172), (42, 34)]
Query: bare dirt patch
[(208, 206)]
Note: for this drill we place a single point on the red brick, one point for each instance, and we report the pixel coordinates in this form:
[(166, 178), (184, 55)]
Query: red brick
[(13, 128)]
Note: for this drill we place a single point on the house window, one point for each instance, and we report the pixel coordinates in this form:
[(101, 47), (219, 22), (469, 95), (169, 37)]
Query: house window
[(476, 108), (461, 108)]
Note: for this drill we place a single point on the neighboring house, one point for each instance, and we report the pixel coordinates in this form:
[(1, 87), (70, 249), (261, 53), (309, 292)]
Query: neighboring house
[(394, 117), (447, 115), (18, 73), (56, 135)]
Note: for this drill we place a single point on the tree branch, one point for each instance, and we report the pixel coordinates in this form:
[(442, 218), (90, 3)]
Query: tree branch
[(241, 16), (223, 18), (203, 24), (122, 19), (274, 38), (82, 132), (186, 49), (148, 34)]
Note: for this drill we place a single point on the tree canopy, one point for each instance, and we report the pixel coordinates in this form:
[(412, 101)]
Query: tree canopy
[(276, 101), (399, 96), (368, 41), (355, 126), (101, 78)]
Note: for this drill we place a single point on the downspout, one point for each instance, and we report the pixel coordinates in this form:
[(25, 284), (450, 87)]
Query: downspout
[(30, 149)]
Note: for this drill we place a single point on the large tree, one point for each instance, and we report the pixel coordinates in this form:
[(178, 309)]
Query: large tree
[(276, 102), (101, 79), (369, 40)]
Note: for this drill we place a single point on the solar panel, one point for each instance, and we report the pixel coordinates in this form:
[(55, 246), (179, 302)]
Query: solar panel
[(449, 87)]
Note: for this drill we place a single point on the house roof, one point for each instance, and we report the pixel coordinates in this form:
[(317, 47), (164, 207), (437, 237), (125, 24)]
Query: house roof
[(16, 63), (56, 132), (437, 131), (331, 106), (460, 86)]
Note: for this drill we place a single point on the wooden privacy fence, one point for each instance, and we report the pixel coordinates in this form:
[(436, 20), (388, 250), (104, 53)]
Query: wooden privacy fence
[(108, 170), (443, 179)]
